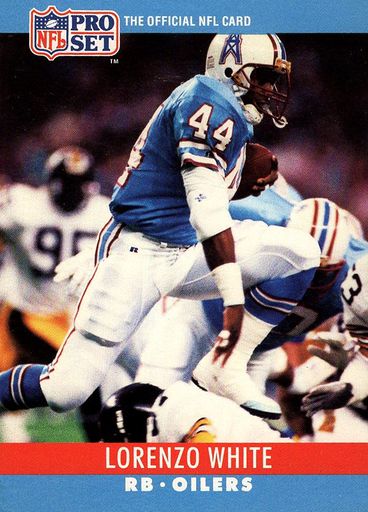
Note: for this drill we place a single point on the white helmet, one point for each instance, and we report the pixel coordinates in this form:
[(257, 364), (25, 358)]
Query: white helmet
[(236, 56), (327, 223)]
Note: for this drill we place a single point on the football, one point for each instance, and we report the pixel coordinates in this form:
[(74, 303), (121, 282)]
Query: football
[(259, 163), (51, 23)]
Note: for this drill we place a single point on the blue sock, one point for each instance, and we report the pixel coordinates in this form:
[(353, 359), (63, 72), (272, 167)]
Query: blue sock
[(271, 301), (20, 387)]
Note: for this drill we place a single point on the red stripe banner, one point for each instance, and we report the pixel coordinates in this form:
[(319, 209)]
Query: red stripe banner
[(115, 459)]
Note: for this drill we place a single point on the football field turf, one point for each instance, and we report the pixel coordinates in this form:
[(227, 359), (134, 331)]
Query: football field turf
[(46, 426)]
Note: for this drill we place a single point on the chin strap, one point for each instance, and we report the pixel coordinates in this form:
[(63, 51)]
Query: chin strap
[(280, 123), (252, 114)]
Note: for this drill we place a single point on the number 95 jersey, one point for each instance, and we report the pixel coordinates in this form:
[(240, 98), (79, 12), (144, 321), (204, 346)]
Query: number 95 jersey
[(201, 124), (37, 237)]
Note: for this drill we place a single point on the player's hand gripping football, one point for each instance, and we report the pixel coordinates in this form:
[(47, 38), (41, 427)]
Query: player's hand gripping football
[(228, 337), (260, 170), (268, 180)]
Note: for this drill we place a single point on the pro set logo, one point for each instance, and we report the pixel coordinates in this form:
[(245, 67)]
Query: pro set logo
[(53, 33)]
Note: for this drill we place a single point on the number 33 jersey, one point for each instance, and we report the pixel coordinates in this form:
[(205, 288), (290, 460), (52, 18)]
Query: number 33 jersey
[(201, 124), (37, 237)]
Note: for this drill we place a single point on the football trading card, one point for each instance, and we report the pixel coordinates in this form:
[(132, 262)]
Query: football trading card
[(183, 255)]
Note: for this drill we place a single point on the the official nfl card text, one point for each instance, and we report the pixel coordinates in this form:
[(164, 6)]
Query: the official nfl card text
[(177, 21)]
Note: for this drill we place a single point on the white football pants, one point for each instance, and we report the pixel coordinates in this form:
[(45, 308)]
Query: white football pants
[(134, 273)]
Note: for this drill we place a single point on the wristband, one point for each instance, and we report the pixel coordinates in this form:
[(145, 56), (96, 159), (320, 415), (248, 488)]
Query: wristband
[(229, 282)]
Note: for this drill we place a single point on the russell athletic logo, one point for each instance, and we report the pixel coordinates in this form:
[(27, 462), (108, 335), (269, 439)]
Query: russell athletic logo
[(53, 33)]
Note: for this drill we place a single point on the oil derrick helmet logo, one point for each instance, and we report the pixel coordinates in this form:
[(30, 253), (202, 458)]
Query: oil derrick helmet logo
[(78, 33), (232, 47)]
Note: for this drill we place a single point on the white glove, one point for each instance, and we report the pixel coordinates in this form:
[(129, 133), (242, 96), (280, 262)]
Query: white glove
[(76, 270)]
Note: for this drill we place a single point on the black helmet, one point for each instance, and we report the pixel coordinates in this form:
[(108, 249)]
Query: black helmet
[(71, 177), (124, 416)]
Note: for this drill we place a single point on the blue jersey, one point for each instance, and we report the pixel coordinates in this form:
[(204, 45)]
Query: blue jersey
[(200, 124), (270, 207), (318, 304)]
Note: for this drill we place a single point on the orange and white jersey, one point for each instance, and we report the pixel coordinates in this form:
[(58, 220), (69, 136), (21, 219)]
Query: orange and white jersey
[(184, 413), (38, 236)]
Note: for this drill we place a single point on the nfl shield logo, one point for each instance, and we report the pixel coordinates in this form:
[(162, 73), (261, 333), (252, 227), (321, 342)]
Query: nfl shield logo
[(73, 32), (49, 32)]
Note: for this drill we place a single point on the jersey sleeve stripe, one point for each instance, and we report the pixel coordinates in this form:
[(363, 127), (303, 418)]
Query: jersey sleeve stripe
[(220, 160), (273, 300), (186, 143), (199, 161), (234, 176), (282, 308)]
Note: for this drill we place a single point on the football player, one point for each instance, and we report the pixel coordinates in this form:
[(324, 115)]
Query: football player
[(40, 227), (171, 232), (352, 386), (169, 357), (182, 413), (313, 418), (323, 397)]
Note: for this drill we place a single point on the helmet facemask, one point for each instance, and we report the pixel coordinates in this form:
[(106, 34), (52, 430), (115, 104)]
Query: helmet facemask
[(266, 88), (255, 66)]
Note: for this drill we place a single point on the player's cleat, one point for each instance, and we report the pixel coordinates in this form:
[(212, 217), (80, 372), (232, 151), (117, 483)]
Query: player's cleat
[(235, 385)]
